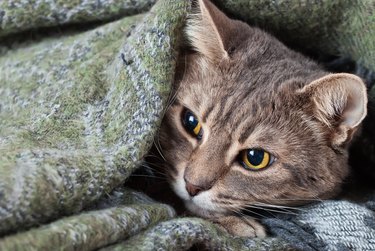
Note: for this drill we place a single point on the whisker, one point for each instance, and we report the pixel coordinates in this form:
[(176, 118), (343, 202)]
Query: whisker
[(248, 209), (152, 164), (154, 171), (299, 199), (279, 206), (271, 210), (238, 212), (149, 155), (158, 148), (243, 208), (238, 208)]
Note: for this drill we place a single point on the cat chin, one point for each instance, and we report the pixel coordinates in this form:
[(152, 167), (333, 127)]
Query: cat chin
[(203, 212)]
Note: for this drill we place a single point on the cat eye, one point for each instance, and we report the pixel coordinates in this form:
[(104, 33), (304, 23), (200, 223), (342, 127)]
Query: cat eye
[(256, 159), (192, 124)]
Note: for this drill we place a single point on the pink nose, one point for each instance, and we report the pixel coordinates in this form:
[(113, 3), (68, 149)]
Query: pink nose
[(192, 189)]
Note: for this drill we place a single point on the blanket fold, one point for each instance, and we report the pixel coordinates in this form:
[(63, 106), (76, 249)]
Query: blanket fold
[(77, 142), (93, 229), (79, 111), (18, 16)]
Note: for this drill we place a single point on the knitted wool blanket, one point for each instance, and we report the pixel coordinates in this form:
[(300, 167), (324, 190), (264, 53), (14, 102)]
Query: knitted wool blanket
[(83, 86)]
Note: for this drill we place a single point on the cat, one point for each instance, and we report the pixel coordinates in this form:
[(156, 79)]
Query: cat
[(254, 123)]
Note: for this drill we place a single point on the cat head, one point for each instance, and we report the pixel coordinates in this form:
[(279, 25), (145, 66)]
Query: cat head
[(254, 122)]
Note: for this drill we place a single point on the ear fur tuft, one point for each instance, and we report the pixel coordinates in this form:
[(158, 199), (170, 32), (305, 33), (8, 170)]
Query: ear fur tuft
[(208, 31), (340, 102)]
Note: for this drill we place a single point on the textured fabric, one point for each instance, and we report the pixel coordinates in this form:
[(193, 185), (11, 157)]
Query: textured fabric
[(79, 112), (338, 27), (79, 109), (16, 15), (332, 225), (86, 231)]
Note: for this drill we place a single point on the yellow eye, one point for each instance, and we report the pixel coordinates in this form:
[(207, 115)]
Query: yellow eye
[(256, 159), (192, 124)]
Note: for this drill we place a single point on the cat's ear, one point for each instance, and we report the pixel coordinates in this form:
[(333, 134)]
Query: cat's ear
[(340, 102), (210, 32)]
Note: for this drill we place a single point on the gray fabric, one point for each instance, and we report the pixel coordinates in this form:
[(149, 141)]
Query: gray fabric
[(331, 225), (79, 110)]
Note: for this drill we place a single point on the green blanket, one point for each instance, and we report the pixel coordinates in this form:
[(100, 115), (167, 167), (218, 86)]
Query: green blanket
[(83, 86)]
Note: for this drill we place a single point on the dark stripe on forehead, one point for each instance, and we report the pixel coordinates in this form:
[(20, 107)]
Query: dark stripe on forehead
[(222, 103), (207, 112), (246, 132), (240, 103), (246, 94), (244, 90)]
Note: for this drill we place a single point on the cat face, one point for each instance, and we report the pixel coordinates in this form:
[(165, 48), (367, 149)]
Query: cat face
[(254, 123)]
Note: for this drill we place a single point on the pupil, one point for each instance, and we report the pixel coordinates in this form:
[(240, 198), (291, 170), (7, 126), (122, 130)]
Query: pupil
[(255, 157), (191, 121)]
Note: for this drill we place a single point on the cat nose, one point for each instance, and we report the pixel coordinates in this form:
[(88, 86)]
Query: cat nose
[(193, 189)]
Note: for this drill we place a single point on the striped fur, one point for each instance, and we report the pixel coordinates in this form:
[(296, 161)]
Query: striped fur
[(250, 91)]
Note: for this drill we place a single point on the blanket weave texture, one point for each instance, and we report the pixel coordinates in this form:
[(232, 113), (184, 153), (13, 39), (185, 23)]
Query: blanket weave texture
[(83, 88)]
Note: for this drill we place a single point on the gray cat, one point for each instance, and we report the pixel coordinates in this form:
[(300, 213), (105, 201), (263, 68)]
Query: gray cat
[(254, 124)]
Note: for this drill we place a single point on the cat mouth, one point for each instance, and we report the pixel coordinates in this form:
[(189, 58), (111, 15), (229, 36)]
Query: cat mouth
[(202, 211)]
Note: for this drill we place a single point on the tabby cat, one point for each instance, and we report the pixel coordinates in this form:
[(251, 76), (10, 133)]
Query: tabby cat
[(254, 123)]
